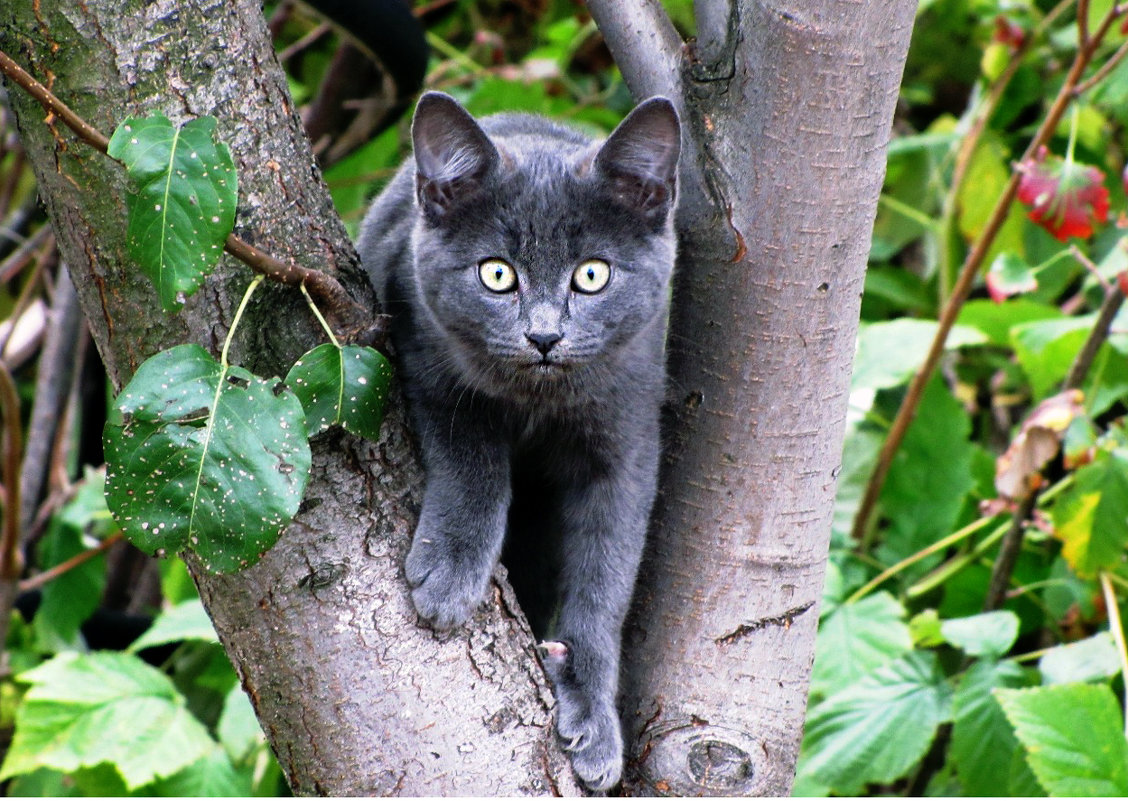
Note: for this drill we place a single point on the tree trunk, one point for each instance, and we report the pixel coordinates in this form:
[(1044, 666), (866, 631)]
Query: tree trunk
[(788, 108), (355, 697)]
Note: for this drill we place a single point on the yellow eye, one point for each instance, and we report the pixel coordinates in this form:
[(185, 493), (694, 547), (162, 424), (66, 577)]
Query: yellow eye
[(591, 276), (497, 275)]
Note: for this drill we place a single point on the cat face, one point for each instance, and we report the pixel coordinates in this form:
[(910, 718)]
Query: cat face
[(541, 257)]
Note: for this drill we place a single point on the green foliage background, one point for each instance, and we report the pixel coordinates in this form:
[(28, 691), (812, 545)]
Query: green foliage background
[(916, 688)]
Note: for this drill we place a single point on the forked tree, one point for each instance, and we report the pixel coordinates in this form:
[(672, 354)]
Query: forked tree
[(787, 110)]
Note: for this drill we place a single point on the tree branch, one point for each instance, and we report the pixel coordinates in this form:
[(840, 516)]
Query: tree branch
[(645, 45), (348, 314)]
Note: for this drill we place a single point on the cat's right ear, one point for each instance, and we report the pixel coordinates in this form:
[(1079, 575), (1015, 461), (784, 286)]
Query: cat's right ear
[(452, 154), (640, 158)]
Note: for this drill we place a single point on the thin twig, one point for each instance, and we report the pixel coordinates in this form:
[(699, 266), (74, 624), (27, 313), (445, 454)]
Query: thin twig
[(87, 132), (1113, 300), (972, 265), (1103, 72), (322, 285), (40, 579), (1117, 629), (1008, 553)]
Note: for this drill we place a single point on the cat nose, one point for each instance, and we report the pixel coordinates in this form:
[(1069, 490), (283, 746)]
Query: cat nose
[(543, 340)]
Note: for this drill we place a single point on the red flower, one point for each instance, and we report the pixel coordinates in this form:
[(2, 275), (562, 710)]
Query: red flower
[(1008, 32), (1064, 197)]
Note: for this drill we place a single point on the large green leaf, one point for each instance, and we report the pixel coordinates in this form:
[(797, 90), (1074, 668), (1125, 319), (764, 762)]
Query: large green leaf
[(990, 633), (876, 729), (996, 319), (930, 476), (184, 204), (212, 776), (1091, 517), (1047, 348), (855, 639), (983, 743), (204, 457), (890, 352), (86, 709), (1073, 735), (185, 621), (238, 729), (1091, 659), (343, 386)]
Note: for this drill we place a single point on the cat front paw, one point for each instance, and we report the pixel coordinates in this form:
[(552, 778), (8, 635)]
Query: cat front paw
[(595, 742), (445, 592), (588, 728)]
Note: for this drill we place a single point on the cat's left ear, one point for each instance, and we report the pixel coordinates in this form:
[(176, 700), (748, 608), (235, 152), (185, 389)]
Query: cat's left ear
[(640, 158), (453, 155)]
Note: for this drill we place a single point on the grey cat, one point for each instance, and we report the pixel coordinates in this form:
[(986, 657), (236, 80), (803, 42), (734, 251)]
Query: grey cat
[(527, 270)]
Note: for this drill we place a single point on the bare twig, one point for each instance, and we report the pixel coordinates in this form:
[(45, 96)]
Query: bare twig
[(1113, 300), (11, 558), (1008, 553), (53, 381), (40, 579), (972, 265), (327, 289)]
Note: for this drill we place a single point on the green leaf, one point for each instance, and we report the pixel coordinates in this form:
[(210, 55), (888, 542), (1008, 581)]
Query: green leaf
[(983, 743), (876, 729), (855, 639), (85, 709), (185, 621), (1073, 735), (204, 457), (996, 319), (890, 352), (1091, 659), (212, 776), (1091, 516), (930, 476), (184, 204), (238, 728), (343, 386), (1047, 348), (988, 634), (69, 599)]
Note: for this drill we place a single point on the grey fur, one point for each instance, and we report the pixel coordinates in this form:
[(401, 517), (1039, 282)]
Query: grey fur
[(536, 409)]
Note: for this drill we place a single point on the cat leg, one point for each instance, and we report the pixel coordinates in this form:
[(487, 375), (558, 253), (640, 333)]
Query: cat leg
[(462, 524), (605, 528)]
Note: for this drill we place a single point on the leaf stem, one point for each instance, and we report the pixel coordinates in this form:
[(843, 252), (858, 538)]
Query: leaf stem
[(908, 561), (317, 314), (1117, 629), (238, 315)]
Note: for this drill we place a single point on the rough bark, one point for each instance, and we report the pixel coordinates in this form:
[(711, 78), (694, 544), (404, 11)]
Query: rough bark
[(789, 107), (355, 697)]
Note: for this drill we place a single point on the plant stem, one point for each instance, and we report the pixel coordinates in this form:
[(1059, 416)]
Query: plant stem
[(40, 579), (1113, 300), (1008, 553), (11, 560), (1117, 629), (317, 313), (935, 547), (238, 316)]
